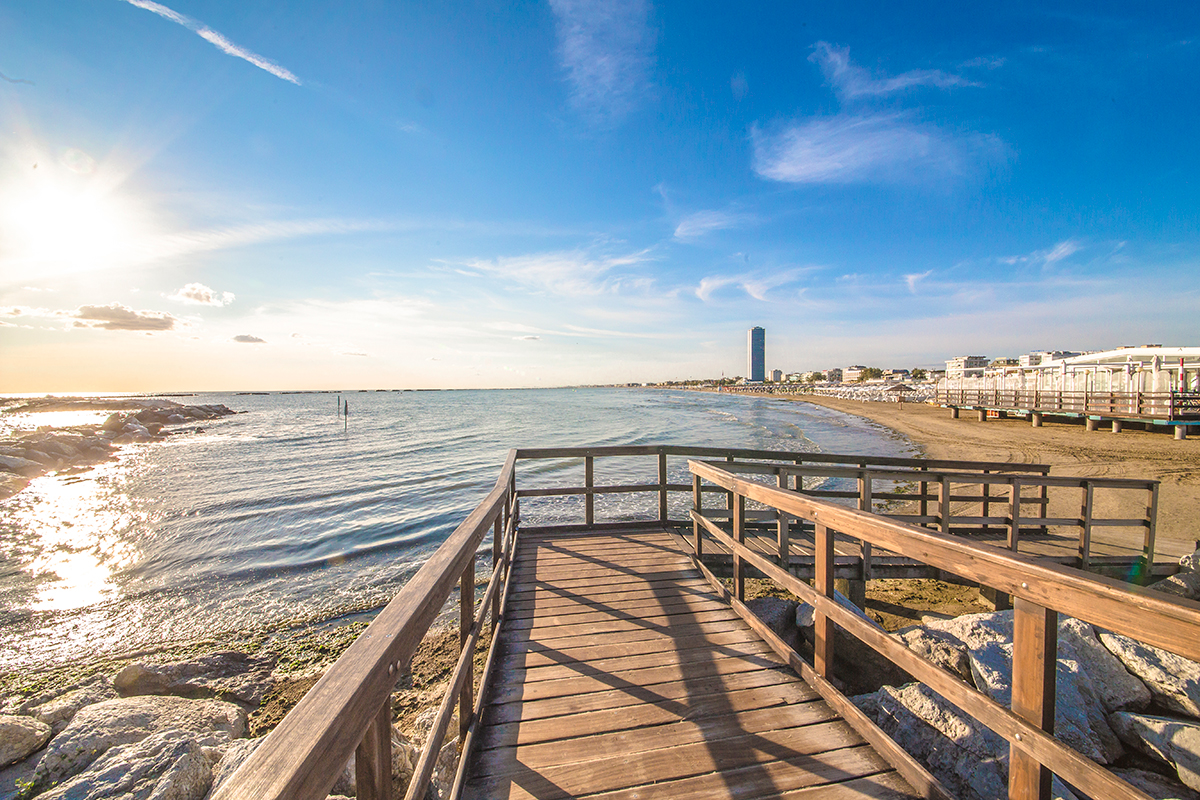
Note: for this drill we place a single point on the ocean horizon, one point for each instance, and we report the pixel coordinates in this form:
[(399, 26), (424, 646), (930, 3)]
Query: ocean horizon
[(288, 514)]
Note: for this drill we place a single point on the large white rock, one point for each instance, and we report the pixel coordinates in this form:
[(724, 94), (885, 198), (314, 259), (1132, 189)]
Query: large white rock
[(1079, 717), (1185, 584), (1190, 562), (1155, 785), (127, 720), (58, 711), (1117, 689), (1173, 680), (168, 765), (20, 737), (226, 675), (235, 755), (941, 648), (1173, 741)]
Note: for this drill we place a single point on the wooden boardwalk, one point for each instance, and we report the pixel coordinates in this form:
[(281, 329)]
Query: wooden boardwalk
[(622, 675)]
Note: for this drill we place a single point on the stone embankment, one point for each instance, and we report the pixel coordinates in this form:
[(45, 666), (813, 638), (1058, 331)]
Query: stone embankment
[(176, 729), (25, 455), (1129, 706)]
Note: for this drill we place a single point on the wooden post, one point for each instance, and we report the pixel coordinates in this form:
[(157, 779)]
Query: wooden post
[(589, 483), (865, 503), (1151, 522), (1014, 518), (729, 495), (781, 526), (924, 492), (497, 558), (986, 491), (739, 536), (1085, 527), (466, 620), (1036, 418), (698, 505), (1035, 660), (953, 412), (823, 629), (982, 414), (662, 487), (1116, 426), (373, 759), (944, 504), (1092, 424), (1181, 432)]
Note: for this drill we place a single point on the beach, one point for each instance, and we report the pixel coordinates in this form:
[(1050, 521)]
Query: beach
[(1067, 448)]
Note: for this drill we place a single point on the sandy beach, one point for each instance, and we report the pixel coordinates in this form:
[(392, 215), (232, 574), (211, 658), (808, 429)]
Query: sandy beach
[(1068, 449)]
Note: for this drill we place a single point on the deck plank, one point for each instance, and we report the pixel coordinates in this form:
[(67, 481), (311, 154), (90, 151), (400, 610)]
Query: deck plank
[(621, 675)]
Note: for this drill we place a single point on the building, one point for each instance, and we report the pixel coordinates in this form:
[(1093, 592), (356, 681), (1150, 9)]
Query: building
[(756, 355), (1043, 356), (896, 375), (966, 366), (852, 373), (777, 376), (834, 374)]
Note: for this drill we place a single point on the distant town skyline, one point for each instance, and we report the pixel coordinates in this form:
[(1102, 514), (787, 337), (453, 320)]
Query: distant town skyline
[(204, 196)]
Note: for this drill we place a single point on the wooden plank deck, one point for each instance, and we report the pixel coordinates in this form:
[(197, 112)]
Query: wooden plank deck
[(623, 676)]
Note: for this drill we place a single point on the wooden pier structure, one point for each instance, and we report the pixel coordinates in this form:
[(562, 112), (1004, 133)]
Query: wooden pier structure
[(620, 665), (1179, 410)]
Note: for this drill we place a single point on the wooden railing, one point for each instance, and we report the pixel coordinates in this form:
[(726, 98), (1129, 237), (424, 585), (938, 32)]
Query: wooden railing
[(349, 710), (1040, 591), (969, 488), (1172, 405)]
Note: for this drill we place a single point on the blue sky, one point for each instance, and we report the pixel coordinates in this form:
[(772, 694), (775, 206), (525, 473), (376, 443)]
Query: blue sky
[(289, 195)]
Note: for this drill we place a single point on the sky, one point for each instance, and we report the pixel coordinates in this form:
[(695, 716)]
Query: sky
[(286, 195)]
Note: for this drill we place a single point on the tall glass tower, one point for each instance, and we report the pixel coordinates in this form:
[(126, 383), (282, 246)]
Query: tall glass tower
[(756, 360)]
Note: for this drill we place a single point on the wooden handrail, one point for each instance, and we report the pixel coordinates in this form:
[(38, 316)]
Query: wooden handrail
[(1040, 591), (302, 757)]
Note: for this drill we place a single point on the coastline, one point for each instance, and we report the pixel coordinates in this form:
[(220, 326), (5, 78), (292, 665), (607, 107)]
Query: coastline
[(1068, 449)]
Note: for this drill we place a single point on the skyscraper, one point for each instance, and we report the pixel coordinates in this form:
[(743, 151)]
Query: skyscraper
[(756, 355)]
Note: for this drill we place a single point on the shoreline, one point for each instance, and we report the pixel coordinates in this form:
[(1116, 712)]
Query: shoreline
[(1068, 449)]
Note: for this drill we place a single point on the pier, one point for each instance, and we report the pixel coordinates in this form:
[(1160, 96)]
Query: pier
[(620, 663)]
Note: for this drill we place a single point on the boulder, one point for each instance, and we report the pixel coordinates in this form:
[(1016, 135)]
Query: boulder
[(1185, 584), (1173, 741), (58, 711), (442, 781), (1157, 786), (226, 675), (1117, 689), (1079, 716), (941, 648), (21, 466), (21, 737), (976, 630), (168, 765), (779, 614), (1191, 562), (234, 756), (128, 720), (114, 423), (1173, 680)]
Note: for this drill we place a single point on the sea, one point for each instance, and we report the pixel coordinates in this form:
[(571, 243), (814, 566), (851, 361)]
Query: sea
[(289, 513)]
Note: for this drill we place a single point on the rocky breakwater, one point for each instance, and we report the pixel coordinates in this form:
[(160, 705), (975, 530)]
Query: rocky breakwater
[(1128, 706), (177, 729), (25, 455)]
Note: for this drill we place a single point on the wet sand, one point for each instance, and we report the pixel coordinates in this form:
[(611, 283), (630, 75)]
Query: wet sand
[(1067, 448)]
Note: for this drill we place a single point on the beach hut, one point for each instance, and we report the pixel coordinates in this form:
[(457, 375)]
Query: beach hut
[(898, 390)]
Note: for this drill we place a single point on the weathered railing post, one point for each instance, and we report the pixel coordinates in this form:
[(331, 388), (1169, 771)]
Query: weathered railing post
[(822, 625), (924, 495), (944, 504), (865, 503), (466, 621), (497, 560), (589, 484), (1151, 521), (662, 487), (986, 504), (1014, 516), (739, 536), (698, 506), (781, 526), (1035, 660), (373, 759)]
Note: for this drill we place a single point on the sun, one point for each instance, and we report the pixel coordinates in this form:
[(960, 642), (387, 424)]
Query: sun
[(62, 217)]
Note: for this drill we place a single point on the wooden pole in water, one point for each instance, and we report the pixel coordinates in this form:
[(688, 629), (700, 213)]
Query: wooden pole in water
[(346, 415)]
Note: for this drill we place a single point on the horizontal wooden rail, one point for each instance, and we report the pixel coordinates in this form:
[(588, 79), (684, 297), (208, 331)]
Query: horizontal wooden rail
[(1041, 590)]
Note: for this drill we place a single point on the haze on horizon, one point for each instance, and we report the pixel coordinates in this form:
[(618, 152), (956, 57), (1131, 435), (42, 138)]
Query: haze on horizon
[(214, 195)]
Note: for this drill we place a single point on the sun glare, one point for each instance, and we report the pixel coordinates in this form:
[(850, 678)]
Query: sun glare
[(65, 217)]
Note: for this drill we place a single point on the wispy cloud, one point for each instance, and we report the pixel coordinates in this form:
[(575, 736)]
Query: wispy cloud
[(211, 36), (850, 81), (756, 285), (245, 338), (607, 51), (913, 278), (868, 147), (571, 273), (1060, 251), (701, 223), (1046, 257), (197, 294), (118, 317)]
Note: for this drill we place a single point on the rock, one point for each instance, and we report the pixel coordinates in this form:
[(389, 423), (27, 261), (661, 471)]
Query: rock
[(1079, 716), (976, 630), (114, 423), (127, 720), (21, 466), (779, 614), (20, 737), (58, 711), (941, 648), (1185, 584), (234, 756), (442, 782), (1117, 689), (175, 419), (14, 777), (966, 756), (168, 765), (806, 614), (857, 667), (226, 675), (11, 484), (1191, 562), (1173, 741), (1173, 680), (1157, 786)]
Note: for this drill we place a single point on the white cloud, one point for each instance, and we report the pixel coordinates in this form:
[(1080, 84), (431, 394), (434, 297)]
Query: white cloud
[(117, 317), (607, 50), (868, 147), (701, 223), (571, 273), (245, 338), (757, 286), (1060, 251), (850, 80), (197, 294), (527, 338), (1047, 258), (912, 279), (216, 39)]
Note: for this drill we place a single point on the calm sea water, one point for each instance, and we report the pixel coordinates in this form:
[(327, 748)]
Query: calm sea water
[(283, 515)]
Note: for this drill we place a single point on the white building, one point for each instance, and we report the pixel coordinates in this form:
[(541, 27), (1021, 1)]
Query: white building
[(777, 375), (966, 366), (851, 373), (1042, 356)]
